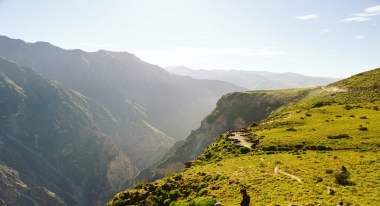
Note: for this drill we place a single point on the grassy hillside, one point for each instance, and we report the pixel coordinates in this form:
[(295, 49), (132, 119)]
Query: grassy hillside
[(301, 150), (233, 111)]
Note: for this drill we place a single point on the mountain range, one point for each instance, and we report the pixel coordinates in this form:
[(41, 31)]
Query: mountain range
[(76, 126), (255, 80)]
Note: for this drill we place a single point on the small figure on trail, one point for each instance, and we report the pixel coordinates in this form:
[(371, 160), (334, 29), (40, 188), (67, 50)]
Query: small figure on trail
[(218, 204), (246, 199), (340, 203)]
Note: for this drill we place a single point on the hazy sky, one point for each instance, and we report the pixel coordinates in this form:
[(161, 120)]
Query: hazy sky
[(336, 38)]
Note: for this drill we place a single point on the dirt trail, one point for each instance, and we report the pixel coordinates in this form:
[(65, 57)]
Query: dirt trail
[(242, 140), (334, 89), (277, 170)]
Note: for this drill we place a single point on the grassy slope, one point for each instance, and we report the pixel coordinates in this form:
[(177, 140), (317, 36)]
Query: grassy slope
[(295, 139)]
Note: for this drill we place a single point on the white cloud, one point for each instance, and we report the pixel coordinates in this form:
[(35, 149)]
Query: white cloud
[(307, 17), (325, 31), (359, 37), (371, 11), (330, 50), (358, 18)]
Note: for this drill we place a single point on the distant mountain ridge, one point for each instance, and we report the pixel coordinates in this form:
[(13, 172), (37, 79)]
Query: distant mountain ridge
[(255, 80)]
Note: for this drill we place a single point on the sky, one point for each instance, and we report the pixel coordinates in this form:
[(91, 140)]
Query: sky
[(330, 38)]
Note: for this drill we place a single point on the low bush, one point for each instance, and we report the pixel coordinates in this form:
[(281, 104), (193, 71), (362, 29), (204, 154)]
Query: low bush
[(244, 150), (339, 136), (202, 192)]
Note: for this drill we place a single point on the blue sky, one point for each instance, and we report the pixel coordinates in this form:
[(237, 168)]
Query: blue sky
[(336, 38)]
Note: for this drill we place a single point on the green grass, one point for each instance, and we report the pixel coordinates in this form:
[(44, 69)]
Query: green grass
[(315, 129), (363, 80), (310, 136), (256, 173)]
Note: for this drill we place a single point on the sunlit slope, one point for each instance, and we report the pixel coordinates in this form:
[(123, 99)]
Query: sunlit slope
[(233, 111), (368, 80), (302, 146)]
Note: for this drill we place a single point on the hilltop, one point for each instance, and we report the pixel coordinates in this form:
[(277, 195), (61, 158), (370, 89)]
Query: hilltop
[(302, 146)]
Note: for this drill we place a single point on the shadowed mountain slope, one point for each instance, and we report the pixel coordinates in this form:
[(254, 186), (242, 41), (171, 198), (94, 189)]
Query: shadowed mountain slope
[(53, 148)]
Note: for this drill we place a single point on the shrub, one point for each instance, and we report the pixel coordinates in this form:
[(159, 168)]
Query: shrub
[(363, 117), (209, 202), (318, 179), (244, 150), (339, 136), (299, 146), (140, 185), (329, 171), (203, 191), (167, 202), (313, 147), (174, 194), (291, 129), (341, 178), (347, 107), (269, 148), (321, 147), (119, 202), (363, 128), (222, 177), (308, 115), (254, 124)]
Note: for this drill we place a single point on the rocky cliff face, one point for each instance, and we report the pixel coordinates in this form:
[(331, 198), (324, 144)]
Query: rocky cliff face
[(233, 111), (53, 150), (15, 192)]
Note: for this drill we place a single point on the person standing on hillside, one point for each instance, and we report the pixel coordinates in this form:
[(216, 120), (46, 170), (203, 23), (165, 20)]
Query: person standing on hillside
[(246, 199)]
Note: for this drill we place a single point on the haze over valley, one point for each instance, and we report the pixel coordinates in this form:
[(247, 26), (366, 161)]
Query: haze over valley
[(279, 98)]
